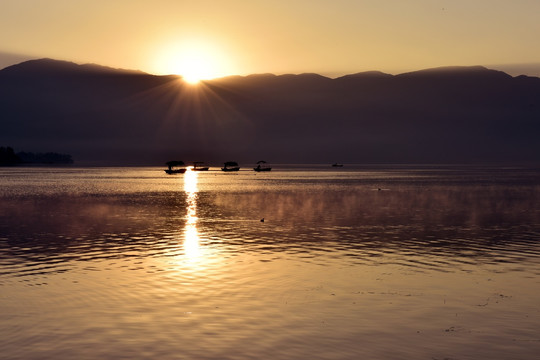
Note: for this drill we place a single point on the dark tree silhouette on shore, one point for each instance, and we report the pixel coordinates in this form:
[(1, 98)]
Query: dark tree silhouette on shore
[(44, 158), (8, 156)]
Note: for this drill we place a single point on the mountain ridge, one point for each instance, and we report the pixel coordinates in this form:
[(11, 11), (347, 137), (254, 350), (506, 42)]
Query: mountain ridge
[(52, 66), (108, 116), (48, 65)]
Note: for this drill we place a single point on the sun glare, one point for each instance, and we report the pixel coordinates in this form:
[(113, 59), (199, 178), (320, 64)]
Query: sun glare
[(191, 234), (193, 61)]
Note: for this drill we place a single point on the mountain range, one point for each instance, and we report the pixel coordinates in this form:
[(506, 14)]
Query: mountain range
[(108, 116)]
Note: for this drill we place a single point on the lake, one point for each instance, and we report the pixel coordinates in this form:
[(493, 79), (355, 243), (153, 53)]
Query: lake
[(359, 262)]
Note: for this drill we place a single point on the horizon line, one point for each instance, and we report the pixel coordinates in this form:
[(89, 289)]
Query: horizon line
[(333, 74)]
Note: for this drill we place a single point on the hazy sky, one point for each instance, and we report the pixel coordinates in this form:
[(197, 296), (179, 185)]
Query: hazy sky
[(330, 37)]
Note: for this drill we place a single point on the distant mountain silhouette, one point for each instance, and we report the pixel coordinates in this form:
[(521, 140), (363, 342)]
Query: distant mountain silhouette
[(110, 116)]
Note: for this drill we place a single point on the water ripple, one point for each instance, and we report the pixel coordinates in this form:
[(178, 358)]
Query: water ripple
[(137, 265)]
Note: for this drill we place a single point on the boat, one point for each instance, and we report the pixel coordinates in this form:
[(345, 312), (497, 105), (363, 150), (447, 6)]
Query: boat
[(261, 166), (337, 165), (172, 164), (197, 167), (230, 166)]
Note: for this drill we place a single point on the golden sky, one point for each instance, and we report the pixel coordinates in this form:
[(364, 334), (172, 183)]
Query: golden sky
[(330, 37)]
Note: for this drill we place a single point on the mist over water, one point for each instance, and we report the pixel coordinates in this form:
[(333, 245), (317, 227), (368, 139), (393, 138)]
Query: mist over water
[(360, 262)]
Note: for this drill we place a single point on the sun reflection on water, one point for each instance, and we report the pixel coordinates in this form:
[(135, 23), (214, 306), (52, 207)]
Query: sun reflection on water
[(192, 248)]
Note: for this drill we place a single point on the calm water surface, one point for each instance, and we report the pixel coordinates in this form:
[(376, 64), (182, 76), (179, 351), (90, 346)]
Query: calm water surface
[(353, 263)]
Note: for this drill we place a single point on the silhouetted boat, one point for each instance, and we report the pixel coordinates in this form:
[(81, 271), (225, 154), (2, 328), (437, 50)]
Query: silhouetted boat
[(261, 166), (196, 166), (337, 165), (230, 166), (172, 164)]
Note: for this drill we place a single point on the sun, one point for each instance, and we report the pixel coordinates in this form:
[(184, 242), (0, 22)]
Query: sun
[(194, 67), (193, 61)]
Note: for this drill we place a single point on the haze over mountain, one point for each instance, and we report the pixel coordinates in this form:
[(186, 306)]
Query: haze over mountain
[(108, 116), (8, 59)]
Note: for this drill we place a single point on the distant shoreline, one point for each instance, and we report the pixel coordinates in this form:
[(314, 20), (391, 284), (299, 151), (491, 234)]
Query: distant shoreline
[(8, 157)]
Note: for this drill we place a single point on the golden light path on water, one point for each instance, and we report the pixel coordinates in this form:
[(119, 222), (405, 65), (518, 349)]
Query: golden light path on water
[(192, 246)]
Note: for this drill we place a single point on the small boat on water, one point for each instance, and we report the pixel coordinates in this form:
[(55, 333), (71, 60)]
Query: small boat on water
[(261, 166), (171, 167), (337, 165), (197, 166), (230, 166)]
